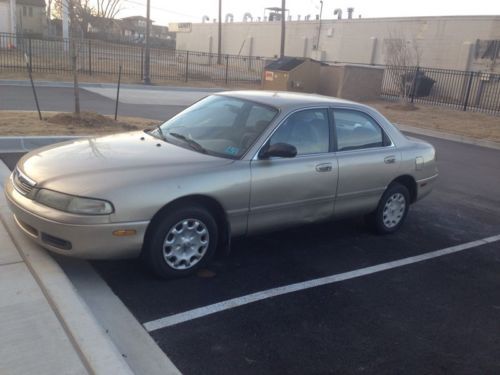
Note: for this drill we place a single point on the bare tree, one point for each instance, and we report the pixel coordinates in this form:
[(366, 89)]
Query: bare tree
[(107, 8), (87, 11), (403, 55)]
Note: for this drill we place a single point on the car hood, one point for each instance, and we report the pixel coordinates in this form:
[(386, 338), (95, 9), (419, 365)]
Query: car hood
[(85, 166)]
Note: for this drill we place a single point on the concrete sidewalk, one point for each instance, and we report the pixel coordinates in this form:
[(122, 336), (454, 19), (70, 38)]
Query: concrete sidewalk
[(45, 327)]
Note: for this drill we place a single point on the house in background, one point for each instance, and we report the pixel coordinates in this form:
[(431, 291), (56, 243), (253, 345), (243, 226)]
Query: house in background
[(30, 17), (105, 28), (134, 27)]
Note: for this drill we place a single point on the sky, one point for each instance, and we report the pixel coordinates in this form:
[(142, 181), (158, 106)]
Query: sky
[(166, 11)]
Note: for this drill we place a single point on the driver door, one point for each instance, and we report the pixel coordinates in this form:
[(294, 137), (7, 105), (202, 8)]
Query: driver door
[(302, 189)]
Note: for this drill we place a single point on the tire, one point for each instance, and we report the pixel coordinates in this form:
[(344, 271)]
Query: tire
[(181, 242), (392, 209)]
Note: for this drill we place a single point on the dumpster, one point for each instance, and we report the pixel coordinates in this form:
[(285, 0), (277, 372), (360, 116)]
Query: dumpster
[(419, 85), (292, 74)]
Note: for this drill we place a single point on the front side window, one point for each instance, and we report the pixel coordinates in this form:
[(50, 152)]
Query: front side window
[(307, 130), (355, 131), (218, 125)]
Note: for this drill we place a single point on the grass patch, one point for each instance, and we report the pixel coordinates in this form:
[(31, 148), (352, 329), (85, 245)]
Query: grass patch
[(469, 124), (20, 123)]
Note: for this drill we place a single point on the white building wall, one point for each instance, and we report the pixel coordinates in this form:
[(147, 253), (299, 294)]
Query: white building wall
[(444, 41), (4, 17)]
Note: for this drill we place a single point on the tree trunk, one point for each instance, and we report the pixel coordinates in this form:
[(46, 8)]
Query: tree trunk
[(74, 56)]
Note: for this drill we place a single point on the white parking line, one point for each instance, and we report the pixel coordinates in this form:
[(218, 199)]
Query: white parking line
[(186, 316)]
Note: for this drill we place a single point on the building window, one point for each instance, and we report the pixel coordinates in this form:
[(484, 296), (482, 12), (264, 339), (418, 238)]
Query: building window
[(25, 12), (30, 11)]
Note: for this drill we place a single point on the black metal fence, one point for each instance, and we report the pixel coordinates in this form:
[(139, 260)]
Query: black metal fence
[(464, 90), (95, 57)]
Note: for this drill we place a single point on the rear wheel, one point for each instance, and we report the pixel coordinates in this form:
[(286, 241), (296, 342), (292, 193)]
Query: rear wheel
[(181, 242), (392, 209)]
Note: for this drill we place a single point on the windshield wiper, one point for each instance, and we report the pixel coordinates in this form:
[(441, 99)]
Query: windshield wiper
[(161, 132), (191, 142)]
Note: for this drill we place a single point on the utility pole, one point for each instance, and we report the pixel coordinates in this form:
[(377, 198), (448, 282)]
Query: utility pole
[(13, 29), (65, 21), (282, 50), (147, 55), (219, 42), (319, 27)]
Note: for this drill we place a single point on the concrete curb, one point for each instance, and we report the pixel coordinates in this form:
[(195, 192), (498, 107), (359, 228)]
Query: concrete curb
[(90, 341), (62, 84), (449, 137)]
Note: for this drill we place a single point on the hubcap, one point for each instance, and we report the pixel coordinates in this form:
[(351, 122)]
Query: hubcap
[(394, 210), (185, 244)]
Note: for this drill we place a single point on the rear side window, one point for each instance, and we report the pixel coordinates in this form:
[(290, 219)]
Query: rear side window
[(356, 131)]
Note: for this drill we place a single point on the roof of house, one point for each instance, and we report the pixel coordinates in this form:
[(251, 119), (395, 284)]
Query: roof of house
[(35, 3), (133, 18)]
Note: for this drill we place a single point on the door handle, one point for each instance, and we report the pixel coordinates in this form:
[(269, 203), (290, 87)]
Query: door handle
[(325, 167), (390, 159)]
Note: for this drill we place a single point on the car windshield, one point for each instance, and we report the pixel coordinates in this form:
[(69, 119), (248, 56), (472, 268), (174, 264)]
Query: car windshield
[(219, 125)]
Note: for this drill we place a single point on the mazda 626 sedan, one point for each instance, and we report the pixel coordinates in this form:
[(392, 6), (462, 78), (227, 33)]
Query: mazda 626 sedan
[(232, 164)]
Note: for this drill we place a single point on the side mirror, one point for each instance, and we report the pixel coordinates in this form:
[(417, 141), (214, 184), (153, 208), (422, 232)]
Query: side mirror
[(282, 150)]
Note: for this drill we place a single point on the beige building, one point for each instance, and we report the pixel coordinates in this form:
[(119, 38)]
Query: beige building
[(452, 42), (30, 17)]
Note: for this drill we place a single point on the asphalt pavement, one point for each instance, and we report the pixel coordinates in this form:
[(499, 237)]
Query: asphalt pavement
[(440, 316), (62, 99)]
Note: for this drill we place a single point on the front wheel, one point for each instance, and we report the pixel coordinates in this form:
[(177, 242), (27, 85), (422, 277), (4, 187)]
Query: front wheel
[(181, 242), (392, 209)]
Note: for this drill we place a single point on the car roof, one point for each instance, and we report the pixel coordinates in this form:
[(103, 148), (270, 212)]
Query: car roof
[(285, 99)]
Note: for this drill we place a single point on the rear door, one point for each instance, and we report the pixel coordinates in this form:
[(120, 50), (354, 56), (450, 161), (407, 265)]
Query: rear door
[(367, 160)]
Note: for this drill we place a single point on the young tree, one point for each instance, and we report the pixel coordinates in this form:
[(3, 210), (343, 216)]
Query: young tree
[(403, 56), (74, 54)]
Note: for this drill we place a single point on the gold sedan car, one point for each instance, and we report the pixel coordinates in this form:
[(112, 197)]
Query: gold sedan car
[(232, 164)]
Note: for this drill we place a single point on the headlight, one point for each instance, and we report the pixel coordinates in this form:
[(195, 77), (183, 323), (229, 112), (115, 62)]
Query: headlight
[(70, 203)]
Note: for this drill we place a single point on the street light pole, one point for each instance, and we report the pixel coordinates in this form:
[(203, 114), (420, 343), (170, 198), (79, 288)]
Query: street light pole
[(147, 56), (282, 50), (219, 41)]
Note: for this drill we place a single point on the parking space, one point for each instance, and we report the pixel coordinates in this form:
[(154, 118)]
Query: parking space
[(441, 315)]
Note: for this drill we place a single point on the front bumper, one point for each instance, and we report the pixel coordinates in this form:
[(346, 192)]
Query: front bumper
[(89, 241)]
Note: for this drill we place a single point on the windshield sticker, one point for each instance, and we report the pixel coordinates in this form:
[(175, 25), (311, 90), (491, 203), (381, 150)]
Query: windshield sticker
[(231, 150)]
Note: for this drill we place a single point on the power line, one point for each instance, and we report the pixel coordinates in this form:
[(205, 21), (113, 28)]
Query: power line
[(161, 9)]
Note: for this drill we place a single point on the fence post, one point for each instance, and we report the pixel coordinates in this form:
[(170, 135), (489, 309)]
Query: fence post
[(469, 86), (227, 67), (187, 66), (142, 62), (414, 84), (30, 50), (90, 58)]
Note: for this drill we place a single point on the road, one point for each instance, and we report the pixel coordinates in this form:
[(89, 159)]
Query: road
[(438, 316), (101, 100)]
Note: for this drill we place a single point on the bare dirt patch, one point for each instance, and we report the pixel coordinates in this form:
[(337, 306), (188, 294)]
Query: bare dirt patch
[(18, 123), (470, 124)]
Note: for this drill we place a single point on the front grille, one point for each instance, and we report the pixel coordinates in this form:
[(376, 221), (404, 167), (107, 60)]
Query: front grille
[(22, 183)]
